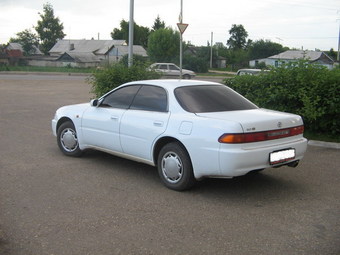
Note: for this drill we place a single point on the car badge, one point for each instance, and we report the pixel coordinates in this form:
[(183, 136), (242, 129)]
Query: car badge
[(279, 124)]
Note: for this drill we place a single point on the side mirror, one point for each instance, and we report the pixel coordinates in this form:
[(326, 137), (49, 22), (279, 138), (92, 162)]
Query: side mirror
[(94, 102)]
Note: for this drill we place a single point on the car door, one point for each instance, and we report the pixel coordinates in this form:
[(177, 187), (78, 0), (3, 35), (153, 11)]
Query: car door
[(163, 68), (174, 70), (146, 120), (101, 124)]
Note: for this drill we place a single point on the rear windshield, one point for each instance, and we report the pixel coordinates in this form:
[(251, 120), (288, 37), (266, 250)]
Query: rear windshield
[(211, 98)]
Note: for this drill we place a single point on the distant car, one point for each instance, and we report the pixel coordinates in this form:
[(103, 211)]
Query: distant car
[(250, 71), (190, 130), (170, 70)]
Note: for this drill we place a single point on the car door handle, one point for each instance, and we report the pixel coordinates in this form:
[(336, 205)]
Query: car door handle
[(114, 117), (158, 123)]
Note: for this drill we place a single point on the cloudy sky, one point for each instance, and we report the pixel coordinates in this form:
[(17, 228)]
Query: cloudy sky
[(309, 24)]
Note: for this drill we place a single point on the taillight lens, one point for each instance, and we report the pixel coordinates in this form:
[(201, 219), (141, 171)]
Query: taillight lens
[(261, 136)]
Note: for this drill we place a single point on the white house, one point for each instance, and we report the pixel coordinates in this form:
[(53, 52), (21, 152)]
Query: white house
[(18, 47), (315, 57), (89, 53), (120, 51), (97, 47)]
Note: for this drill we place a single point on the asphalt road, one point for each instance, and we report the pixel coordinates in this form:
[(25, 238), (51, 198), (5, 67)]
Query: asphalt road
[(101, 204)]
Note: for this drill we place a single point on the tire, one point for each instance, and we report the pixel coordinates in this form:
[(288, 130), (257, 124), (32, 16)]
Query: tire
[(68, 140), (186, 76), (175, 168)]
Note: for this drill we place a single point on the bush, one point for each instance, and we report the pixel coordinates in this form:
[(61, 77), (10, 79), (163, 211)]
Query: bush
[(104, 80), (4, 67), (195, 64), (311, 91)]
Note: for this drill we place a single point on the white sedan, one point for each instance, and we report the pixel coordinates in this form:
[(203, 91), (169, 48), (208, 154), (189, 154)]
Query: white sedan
[(170, 70), (190, 130)]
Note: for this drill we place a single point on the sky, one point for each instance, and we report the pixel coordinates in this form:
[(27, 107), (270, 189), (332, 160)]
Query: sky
[(307, 24)]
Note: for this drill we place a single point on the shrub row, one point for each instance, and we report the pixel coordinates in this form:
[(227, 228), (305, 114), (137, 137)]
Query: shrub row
[(105, 79), (311, 91)]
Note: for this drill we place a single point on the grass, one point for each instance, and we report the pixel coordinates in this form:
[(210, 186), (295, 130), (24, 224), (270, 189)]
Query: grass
[(212, 74), (46, 69), (68, 69), (321, 137)]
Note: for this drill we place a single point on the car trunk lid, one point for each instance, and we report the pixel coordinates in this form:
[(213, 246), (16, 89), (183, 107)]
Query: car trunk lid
[(258, 120)]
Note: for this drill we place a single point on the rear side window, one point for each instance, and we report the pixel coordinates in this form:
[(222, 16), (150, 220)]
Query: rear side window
[(173, 68), (150, 98), (211, 98)]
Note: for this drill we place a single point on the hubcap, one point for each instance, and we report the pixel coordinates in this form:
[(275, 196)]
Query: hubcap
[(172, 167), (69, 140)]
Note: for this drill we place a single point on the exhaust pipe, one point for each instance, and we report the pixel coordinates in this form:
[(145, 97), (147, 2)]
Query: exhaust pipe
[(294, 163)]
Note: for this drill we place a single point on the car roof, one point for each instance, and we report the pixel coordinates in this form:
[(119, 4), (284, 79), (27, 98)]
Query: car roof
[(171, 84)]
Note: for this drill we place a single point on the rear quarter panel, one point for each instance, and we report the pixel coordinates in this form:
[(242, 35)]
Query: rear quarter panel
[(200, 136)]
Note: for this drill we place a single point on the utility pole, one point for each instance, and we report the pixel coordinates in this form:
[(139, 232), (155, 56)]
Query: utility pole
[(131, 26), (338, 57), (211, 49), (181, 27)]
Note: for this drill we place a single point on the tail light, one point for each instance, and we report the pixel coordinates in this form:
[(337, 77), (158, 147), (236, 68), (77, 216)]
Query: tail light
[(261, 136)]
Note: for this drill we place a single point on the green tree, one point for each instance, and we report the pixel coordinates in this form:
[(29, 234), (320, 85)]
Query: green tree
[(137, 60), (163, 45), (238, 37), (264, 49), (158, 24), (28, 41), (237, 58), (49, 28), (140, 35), (331, 53), (122, 33), (195, 63)]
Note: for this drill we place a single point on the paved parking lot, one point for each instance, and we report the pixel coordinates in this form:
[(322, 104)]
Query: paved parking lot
[(101, 204)]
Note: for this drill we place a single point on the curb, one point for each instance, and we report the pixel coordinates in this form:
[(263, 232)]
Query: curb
[(324, 144)]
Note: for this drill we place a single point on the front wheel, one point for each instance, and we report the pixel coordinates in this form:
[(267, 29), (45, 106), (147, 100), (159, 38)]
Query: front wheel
[(68, 140), (174, 167)]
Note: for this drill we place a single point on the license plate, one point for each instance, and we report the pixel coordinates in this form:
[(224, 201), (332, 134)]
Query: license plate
[(277, 157)]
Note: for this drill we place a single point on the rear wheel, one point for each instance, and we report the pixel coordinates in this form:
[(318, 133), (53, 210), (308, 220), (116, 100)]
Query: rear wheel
[(68, 139), (174, 167)]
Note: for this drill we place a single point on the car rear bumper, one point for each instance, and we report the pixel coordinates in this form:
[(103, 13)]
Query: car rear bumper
[(237, 161)]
